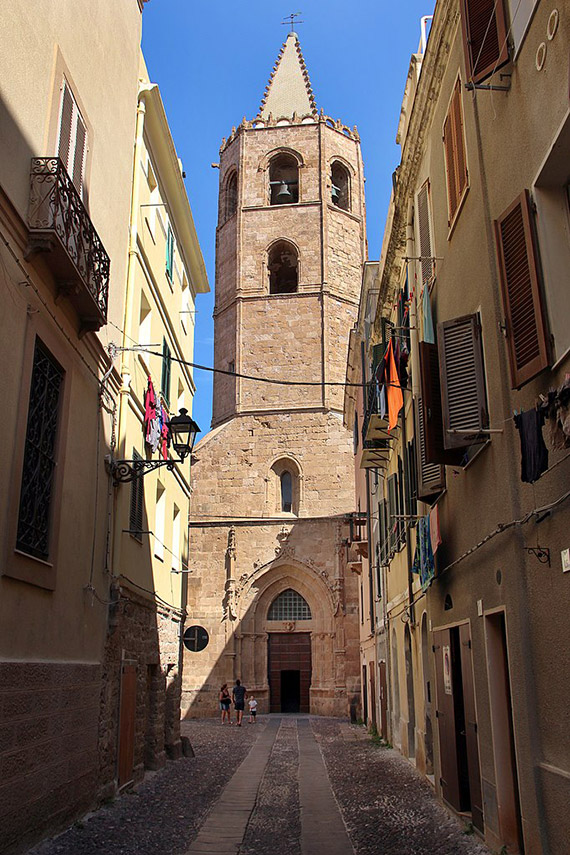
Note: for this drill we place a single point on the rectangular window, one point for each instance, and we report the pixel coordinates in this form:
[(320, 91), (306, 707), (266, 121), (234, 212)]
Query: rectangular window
[(72, 138), (39, 455), (166, 370), (464, 398), (136, 506), (169, 253), (484, 37), (522, 297), (455, 156)]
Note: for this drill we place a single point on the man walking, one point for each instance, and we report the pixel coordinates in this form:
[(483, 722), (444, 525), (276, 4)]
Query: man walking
[(239, 693)]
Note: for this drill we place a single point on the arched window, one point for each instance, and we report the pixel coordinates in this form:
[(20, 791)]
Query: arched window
[(289, 605), (340, 189), (286, 491), (283, 180), (231, 195), (283, 264)]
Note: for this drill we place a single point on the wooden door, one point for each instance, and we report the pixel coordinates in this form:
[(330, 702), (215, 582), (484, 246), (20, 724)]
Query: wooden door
[(371, 671), (445, 715), (127, 712), (471, 728), (383, 699)]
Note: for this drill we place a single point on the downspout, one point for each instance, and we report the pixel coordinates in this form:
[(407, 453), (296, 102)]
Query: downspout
[(125, 389), (415, 388)]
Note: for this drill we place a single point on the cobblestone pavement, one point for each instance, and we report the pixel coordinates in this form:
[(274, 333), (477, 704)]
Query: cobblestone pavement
[(388, 809)]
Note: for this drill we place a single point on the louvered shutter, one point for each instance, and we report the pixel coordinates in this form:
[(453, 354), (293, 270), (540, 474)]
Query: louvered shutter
[(425, 234), (431, 476), (464, 404), (522, 300), (392, 511), (166, 369), (455, 156), (65, 123), (484, 37), (136, 508), (79, 155), (435, 450)]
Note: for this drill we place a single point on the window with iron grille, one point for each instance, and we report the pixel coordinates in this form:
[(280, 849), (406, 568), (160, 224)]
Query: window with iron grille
[(39, 455), (136, 508), (166, 369), (289, 605)]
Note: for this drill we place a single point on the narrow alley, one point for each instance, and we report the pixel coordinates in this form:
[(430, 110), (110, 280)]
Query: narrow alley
[(288, 785)]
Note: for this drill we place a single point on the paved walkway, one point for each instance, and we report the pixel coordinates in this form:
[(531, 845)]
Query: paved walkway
[(287, 785)]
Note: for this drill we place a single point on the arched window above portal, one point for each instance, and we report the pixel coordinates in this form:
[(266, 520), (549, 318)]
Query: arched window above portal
[(340, 186), (283, 180), (230, 196), (289, 605), (283, 267)]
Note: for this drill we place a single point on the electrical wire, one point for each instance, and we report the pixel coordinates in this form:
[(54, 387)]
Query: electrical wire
[(164, 546), (176, 609)]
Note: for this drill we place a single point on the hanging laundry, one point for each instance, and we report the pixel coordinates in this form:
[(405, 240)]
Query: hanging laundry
[(434, 532), (534, 454), (164, 433), (423, 563), (151, 416), (429, 334), (394, 393)]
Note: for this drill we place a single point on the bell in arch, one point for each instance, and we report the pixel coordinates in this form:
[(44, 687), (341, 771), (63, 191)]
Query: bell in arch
[(335, 194), (284, 194)]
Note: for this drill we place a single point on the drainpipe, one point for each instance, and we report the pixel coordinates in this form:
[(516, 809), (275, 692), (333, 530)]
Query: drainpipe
[(415, 388), (125, 389)]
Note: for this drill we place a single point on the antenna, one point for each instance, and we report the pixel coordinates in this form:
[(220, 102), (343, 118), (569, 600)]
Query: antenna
[(291, 22)]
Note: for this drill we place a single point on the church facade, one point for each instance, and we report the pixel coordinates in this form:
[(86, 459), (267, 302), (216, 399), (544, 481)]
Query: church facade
[(271, 596)]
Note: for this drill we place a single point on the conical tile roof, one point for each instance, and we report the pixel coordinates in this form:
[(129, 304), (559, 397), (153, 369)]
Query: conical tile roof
[(289, 88)]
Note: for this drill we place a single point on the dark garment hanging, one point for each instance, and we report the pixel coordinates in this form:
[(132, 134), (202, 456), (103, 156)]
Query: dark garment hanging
[(534, 454)]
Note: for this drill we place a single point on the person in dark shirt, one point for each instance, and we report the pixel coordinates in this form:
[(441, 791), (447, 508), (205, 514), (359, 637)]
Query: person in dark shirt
[(239, 692)]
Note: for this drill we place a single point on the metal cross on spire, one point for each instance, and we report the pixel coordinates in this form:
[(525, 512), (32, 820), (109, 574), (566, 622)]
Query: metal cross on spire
[(292, 20)]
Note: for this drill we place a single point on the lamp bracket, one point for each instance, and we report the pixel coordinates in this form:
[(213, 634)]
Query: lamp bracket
[(125, 471)]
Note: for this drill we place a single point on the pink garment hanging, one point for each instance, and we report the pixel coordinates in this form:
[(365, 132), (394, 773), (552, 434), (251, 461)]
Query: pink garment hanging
[(434, 532), (164, 434), (149, 408)]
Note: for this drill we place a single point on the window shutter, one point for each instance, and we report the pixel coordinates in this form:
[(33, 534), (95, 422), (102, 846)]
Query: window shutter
[(455, 157), (431, 476), (484, 37), (464, 403), (169, 252), (79, 156), (65, 126), (392, 511), (434, 440), (136, 509), (425, 234), (518, 263), (166, 366)]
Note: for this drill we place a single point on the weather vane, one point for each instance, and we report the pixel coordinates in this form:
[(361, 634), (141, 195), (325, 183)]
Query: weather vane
[(292, 20)]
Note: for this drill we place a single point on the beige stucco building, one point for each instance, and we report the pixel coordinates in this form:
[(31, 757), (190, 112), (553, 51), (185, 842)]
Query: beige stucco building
[(269, 588), (475, 245)]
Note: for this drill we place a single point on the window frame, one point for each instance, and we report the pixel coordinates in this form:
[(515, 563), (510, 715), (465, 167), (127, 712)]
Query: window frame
[(454, 116), (494, 10)]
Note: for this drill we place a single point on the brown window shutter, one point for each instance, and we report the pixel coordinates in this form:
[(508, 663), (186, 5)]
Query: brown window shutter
[(450, 165), (65, 126), (435, 450), (522, 300), (425, 234), (459, 142), (431, 476), (464, 401), (484, 37)]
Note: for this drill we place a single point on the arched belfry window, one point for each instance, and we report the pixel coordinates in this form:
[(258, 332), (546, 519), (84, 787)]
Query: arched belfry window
[(231, 196), (286, 491), (283, 180), (340, 186), (289, 605), (283, 265)]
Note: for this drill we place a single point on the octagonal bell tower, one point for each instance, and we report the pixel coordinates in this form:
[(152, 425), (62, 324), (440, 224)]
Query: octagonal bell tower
[(274, 479)]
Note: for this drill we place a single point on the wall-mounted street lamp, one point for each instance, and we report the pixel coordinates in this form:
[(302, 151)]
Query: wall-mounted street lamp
[(183, 430)]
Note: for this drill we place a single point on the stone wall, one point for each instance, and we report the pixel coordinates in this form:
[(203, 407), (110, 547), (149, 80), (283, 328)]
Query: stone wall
[(48, 747)]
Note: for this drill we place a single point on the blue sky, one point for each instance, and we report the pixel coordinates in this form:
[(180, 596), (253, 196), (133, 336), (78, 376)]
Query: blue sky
[(212, 62)]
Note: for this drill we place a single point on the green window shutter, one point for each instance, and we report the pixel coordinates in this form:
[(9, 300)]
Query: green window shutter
[(136, 509), (169, 253), (166, 366)]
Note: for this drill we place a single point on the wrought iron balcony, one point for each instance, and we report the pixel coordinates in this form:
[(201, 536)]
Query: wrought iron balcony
[(60, 226)]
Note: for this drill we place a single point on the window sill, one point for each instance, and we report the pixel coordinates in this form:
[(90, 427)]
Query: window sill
[(32, 570)]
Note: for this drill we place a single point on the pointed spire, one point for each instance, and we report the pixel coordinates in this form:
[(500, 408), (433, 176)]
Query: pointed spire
[(289, 88)]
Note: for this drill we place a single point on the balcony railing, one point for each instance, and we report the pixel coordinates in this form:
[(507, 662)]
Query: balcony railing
[(60, 226)]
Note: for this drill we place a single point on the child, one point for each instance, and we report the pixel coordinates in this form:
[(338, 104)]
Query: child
[(252, 709)]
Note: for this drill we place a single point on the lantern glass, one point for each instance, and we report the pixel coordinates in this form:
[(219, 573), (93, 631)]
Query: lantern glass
[(183, 431)]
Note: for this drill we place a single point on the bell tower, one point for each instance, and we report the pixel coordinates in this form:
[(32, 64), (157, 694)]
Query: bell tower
[(273, 481), (290, 244)]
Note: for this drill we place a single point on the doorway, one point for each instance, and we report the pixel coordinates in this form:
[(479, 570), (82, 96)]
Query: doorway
[(410, 692), (460, 778), (510, 825), (289, 671)]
